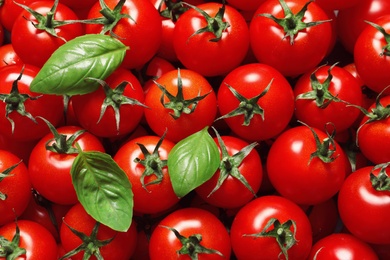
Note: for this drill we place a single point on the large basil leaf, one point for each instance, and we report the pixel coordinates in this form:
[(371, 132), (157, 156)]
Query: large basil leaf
[(103, 189), (90, 55), (192, 161)]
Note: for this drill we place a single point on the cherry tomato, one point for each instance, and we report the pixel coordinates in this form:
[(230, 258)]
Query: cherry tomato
[(255, 113), (215, 52), (182, 102), (292, 51), (306, 165), (34, 238), (8, 55), (121, 246), (9, 11), (259, 225), (142, 32), (148, 173), (364, 207), (197, 229), (15, 187), (114, 109), (41, 44), (341, 246), (49, 107)]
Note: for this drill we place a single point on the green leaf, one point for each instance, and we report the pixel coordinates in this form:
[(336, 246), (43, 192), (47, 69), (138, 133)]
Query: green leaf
[(90, 55), (103, 189), (193, 161)]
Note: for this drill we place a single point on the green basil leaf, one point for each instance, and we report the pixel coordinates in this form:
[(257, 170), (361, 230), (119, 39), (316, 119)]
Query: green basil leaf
[(103, 189), (192, 161), (90, 55)]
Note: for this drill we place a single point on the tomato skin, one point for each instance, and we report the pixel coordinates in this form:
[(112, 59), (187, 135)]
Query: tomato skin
[(16, 187), (343, 86), (9, 11), (233, 193), (36, 239), (253, 217), (158, 197), (371, 65), (270, 46), (121, 247), (189, 221), (246, 5), (42, 44), (350, 21), (50, 171), (341, 246), (297, 178), (159, 118), (250, 80), (87, 108), (363, 210), (8, 55), (199, 53), (38, 107), (373, 138), (142, 34), (337, 5)]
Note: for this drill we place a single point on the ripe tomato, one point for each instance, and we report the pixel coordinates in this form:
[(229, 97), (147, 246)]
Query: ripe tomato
[(307, 169), (15, 187), (9, 11), (49, 171), (182, 102), (23, 109), (141, 32), (254, 232), (292, 51), (373, 64), (197, 230), (148, 173), (351, 21), (373, 136), (240, 171), (114, 109), (34, 238), (121, 246), (364, 208), (323, 96), (341, 246), (215, 51), (245, 5), (8, 55), (337, 5), (261, 89), (41, 43)]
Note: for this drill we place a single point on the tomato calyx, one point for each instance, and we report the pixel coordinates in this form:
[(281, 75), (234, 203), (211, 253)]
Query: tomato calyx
[(177, 103), (191, 245), (326, 148), (292, 23), (320, 91), (281, 232), (215, 25), (229, 165), (115, 99), (62, 144), (386, 48), (173, 9), (15, 102), (110, 17), (152, 163), (90, 244), (381, 182), (47, 22), (7, 173), (11, 249), (247, 107)]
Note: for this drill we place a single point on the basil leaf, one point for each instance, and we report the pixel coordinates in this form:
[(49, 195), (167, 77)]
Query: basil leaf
[(192, 161), (103, 188), (90, 55)]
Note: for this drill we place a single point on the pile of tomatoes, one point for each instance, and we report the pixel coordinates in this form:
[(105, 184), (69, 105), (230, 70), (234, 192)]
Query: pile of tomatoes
[(166, 129)]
